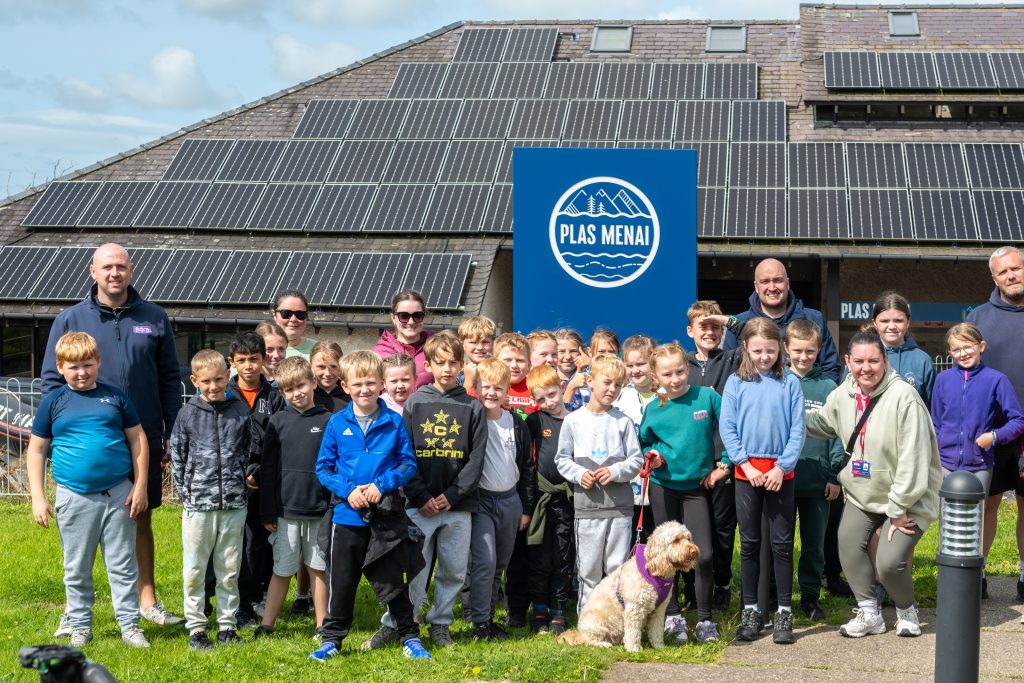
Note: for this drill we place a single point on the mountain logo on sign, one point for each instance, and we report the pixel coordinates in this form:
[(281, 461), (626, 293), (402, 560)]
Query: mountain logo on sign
[(604, 232)]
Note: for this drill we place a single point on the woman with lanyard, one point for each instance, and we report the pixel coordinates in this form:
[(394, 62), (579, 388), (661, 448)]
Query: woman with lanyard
[(891, 481), (408, 309)]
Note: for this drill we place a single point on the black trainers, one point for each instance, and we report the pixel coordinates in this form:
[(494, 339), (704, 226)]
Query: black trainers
[(1020, 590), (539, 623), (984, 588), (782, 634), (227, 636), (751, 624), (812, 609), (557, 625), (721, 598), (262, 631), (516, 619), (837, 585), (497, 632), (301, 606), (200, 641), (245, 619), (481, 633)]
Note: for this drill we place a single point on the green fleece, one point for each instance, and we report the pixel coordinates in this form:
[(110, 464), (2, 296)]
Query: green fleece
[(683, 432), (899, 442), (820, 459)]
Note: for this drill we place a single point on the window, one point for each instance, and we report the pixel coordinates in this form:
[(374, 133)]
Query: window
[(612, 39), (903, 24), (726, 39)]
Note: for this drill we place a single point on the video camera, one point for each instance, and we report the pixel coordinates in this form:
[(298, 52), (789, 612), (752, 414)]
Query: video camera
[(63, 664)]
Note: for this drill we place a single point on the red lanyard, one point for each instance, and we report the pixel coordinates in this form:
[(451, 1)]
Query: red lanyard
[(862, 404)]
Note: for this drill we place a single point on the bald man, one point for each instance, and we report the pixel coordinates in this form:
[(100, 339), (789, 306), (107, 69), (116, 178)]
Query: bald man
[(773, 300), (137, 355)]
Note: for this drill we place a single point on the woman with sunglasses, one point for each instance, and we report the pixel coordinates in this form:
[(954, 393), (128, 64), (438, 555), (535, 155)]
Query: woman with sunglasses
[(291, 312), (408, 309)]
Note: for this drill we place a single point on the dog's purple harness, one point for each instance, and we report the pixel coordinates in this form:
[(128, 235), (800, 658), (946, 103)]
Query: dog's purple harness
[(662, 586)]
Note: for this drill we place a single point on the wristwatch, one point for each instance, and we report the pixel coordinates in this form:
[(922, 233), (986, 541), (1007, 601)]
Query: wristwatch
[(731, 322)]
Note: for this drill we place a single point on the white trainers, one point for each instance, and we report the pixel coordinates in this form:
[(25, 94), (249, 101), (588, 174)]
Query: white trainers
[(675, 628), (80, 637), (907, 623), (160, 616), (64, 627), (134, 637), (863, 624)]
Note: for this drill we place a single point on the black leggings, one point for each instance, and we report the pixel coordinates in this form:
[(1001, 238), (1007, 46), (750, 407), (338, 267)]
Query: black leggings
[(751, 504), (693, 509)]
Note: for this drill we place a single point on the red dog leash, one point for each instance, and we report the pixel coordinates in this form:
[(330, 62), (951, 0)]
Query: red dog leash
[(645, 475)]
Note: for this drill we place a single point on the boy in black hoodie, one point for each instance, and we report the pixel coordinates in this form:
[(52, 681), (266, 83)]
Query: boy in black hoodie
[(449, 436), (292, 501)]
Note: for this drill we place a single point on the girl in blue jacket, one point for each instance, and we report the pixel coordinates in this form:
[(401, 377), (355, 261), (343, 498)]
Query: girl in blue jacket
[(891, 317)]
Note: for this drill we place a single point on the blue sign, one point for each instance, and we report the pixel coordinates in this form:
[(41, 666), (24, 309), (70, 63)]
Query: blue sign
[(604, 237)]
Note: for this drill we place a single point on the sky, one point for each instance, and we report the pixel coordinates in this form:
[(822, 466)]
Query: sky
[(83, 80)]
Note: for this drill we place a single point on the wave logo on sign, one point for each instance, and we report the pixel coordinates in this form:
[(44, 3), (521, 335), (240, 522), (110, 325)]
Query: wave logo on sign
[(604, 232)]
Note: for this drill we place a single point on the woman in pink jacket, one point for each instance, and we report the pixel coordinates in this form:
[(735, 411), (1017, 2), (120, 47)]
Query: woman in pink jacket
[(408, 309)]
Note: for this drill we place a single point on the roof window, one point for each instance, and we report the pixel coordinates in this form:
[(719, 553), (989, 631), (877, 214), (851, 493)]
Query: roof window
[(612, 39), (903, 24), (726, 39)]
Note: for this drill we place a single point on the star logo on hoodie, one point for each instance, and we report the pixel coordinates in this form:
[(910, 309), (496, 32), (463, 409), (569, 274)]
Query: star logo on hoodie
[(427, 427), (447, 443), (455, 427), (441, 417), (431, 443)]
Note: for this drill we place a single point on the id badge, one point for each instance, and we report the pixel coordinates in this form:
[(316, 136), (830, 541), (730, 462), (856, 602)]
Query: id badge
[(861, 468)]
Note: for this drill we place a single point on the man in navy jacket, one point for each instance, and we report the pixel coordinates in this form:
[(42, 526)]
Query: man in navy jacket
[(138, 356)]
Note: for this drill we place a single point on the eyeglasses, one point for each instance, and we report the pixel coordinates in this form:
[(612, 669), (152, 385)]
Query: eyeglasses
[(405, 316), (968, 350), (287, 314)]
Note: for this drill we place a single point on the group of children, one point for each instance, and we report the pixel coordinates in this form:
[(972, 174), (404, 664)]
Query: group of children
[(515, 472)]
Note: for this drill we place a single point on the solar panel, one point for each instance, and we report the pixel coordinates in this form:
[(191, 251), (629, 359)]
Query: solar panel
[(712, 162), (731, 82), (531, 45), (228, 205), (179, 283), (380, 119), (65, 277), (588, 144), (756, 213), (647, 120), (995, 165), (907, 70), (1000, 215), (252, 160), (398, 208), (880, 215), (757, 164), (592, 120), (418, 79), (647, 144), (702, 121), (625, 81), (116, 204), (572, 80), (852, 70), (306, 161), (498, 217), (485, 119), (340, 208), (816, 164), (758, 121), (198, 159), (481, 45), (251, 277), (538, 119), (416, 161), (876, 164), (283, 207), (677, 82), (964, 71), (469, 79), (471, 161), (62, 204), (326, 118), (943, 215), (431, 119), (171, 205), (456, 208), (361, 161), (521, 80), (148, 265), (20, 269), (711, 211), (818, 215), (317, 274), (935, 165), (371, 279), (1008, 69), (440, 278), (504, 174)]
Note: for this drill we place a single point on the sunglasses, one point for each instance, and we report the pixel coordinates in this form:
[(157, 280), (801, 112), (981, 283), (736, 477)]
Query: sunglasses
[(286, 314), (405, 316)]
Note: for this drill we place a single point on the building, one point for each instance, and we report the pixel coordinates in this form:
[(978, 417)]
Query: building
[(867, 147)]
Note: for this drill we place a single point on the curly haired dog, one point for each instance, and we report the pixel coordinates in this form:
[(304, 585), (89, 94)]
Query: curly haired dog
[(625, 600)]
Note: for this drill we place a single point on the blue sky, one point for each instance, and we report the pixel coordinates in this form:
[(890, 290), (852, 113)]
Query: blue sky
[(81, 80)]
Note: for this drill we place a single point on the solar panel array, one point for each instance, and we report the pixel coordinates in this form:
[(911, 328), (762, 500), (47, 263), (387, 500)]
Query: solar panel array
[(245, 278), (895, 70)]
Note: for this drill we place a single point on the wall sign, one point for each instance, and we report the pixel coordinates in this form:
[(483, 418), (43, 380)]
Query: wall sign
[(937, 312)]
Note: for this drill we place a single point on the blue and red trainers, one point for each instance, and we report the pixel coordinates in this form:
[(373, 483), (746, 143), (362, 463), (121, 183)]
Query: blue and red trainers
[(413, 649)]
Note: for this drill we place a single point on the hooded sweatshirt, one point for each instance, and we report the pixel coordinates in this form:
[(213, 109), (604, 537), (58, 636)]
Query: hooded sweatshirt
[(820, 460), (828, 357), (965, 405), (898, 441), (288, 483), (763, 421), (389, 345), (449, 436), (683, 432), (914, 365), (267, 402), (1002, 325)]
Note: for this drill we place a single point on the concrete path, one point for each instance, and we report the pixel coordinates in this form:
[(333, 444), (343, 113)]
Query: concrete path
[(821, 654)]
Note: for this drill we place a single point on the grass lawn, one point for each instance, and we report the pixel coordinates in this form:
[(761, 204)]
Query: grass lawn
[(32, 595)]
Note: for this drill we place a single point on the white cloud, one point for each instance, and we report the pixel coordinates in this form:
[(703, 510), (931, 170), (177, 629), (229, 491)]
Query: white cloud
[(361, 12), (79, 94), (683, 12), (176, 82), (10, 80), (298, 61), (19, 10), (571, 9), (231, 9)]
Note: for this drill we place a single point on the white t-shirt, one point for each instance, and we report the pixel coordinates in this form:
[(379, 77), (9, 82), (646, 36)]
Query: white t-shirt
[(500, 473)]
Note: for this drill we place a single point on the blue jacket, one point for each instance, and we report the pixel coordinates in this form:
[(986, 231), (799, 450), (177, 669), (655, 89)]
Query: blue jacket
[(1002, 326), (348, 458), (763, 420), (137, 355), (965, 405), (828, 357)]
